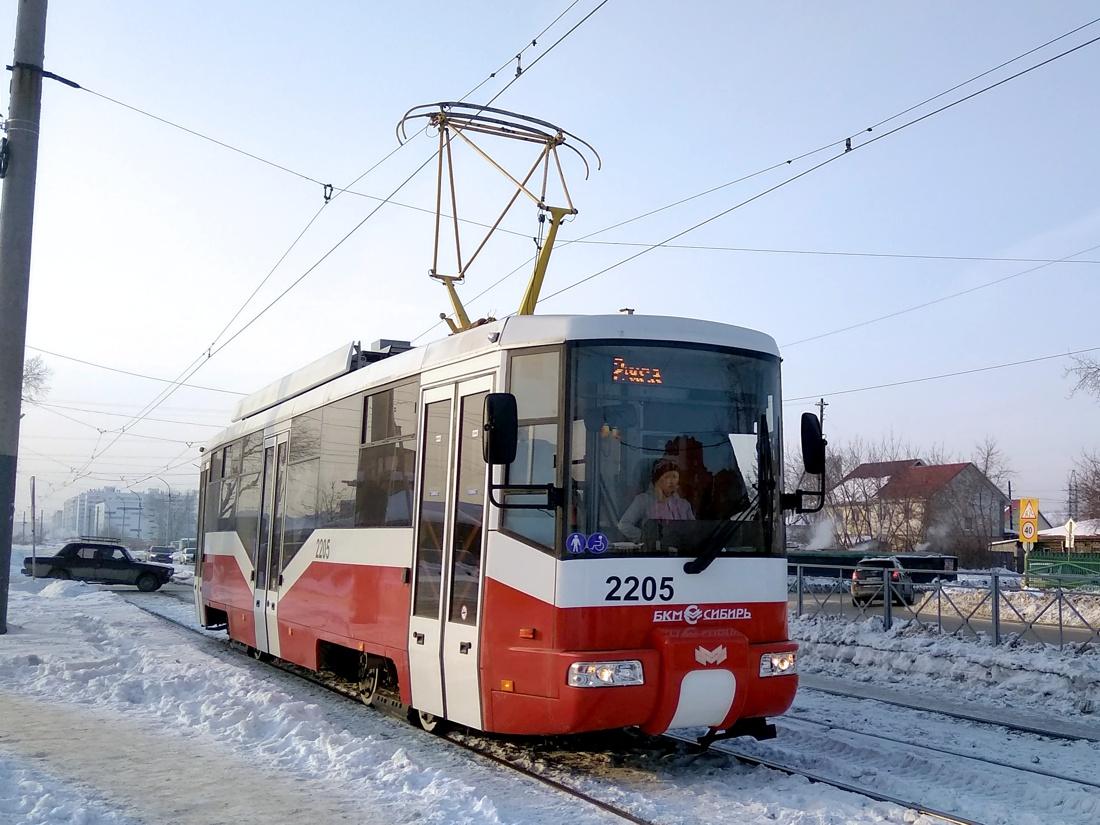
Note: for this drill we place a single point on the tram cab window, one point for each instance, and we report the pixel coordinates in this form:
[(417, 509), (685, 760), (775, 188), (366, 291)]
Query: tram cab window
[(535, 380), (663, 450)]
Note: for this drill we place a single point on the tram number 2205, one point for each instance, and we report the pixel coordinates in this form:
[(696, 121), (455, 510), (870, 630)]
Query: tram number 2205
[(324, 549), (634, 589)]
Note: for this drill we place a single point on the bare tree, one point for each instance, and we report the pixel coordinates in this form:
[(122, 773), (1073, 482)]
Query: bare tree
[(35, 377), (1088, 485), (1086, 371), (990, 459)]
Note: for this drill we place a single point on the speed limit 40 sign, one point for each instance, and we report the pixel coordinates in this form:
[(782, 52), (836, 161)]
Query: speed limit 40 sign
[(1029, 519)]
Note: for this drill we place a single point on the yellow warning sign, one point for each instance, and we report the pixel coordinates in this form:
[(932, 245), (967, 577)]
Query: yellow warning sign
[(1029, 519)]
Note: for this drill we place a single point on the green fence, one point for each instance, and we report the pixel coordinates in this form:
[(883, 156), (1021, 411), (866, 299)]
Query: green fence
[(1061, 564)]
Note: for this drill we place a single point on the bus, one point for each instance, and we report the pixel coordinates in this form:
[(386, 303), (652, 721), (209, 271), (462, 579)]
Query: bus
[(540, 525)]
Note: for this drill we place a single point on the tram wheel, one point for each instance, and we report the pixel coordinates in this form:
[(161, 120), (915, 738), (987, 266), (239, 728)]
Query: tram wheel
[(369, 679), (428, 721)]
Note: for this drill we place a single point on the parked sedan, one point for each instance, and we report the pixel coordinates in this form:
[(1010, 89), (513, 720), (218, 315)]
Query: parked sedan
[(867, 581), (99, 562)]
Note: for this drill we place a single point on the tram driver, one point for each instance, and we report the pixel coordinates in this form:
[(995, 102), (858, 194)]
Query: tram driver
[(661, 502)]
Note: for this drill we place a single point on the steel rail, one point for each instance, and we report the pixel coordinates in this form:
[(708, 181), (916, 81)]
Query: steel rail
[(812, 776), (312, 678), (1037, 731), (935, 749)]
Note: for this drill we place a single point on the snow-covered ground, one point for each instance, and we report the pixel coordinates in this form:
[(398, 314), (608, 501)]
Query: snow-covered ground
[(110, 716)]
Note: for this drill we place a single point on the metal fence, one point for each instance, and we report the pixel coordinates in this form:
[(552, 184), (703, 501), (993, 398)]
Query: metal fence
[(1055, 608)]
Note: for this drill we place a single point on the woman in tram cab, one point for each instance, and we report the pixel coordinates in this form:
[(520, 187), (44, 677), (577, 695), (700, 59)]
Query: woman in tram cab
[(661, 502)]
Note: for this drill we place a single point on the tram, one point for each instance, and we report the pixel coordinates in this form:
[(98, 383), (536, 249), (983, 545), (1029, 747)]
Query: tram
[(539, 525)]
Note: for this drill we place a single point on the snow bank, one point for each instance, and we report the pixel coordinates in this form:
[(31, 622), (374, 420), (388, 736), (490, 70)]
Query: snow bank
[(1020, 675), (31, 797)]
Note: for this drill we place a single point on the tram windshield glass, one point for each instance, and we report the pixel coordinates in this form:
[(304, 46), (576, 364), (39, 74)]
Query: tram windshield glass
[(666, 444)]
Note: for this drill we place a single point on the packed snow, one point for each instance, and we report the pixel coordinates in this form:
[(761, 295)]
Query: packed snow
[(113, 716)]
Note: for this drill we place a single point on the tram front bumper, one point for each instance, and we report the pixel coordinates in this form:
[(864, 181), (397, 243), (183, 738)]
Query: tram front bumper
[(688, 678)]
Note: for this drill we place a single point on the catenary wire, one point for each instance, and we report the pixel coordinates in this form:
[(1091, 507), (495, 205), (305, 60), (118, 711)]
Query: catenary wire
[(983, 74), (939, 300), (792, 160), (847, 151), (954, 374), (128, 372), (517, 56), (848, 254), (211, 351), (198, 134), (126, 415)]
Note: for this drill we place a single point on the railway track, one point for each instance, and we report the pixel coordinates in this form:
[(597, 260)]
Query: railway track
[(847, 730), (817, 778), (966, 717), (518, 754), (469, 744)]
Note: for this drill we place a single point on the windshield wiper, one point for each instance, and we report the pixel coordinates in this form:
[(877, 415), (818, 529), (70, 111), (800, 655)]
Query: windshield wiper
[(717, 541), (765, 481)]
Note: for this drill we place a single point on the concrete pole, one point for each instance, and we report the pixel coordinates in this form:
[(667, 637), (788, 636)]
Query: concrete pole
[(16, 220)]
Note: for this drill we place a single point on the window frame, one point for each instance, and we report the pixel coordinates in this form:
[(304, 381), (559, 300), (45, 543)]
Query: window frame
[(780, 535), (563, 386), (414, 383)]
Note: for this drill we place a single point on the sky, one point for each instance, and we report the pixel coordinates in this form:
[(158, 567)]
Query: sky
[(147, 239)]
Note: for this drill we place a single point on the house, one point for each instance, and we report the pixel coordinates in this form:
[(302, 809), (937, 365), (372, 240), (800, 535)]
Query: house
[(1086, 537), (908, 503)]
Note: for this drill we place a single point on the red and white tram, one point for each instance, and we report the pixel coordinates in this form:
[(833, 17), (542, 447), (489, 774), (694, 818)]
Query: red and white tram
[(541, 525)]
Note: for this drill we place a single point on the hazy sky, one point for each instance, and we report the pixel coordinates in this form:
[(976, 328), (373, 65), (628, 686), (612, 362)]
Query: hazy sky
[(147, 239)]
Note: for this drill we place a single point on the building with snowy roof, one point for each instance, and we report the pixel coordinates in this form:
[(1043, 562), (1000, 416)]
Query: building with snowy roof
[(907, 504)]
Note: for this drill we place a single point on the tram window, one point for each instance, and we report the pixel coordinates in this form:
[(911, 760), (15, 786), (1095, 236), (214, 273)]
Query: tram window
[(534, 378), (301, 505), (339, 462), (226, 510), (469, 513), (390, 413), (252, 458), (232, 465), (387, 460), (247, 512), (305, 436), (433, 508), (277, 511), (212, 506)]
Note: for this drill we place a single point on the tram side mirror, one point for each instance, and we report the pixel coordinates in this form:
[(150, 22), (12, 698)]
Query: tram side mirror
[(813, 445), (500, 424)]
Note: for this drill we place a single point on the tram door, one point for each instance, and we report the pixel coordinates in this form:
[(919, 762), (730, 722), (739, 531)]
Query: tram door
[(269, 540), (450, 537)]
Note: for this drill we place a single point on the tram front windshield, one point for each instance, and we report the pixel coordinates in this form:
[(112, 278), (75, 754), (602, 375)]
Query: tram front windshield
[(666, 444)]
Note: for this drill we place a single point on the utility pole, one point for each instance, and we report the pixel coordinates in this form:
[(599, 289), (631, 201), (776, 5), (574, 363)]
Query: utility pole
[(821, 405), (19, 165)]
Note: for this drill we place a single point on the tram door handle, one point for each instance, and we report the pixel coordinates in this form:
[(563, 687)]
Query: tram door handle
[(419, 638), (464, 647)]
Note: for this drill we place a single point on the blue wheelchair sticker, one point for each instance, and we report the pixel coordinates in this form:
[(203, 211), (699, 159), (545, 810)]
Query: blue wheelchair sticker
[(598, 543), (576, 542)]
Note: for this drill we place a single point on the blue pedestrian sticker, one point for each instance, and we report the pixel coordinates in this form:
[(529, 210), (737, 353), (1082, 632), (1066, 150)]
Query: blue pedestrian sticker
[(598, 543), (575, 543)]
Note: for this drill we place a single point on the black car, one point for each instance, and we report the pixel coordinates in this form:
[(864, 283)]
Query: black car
[(161, 554), (100, 562)]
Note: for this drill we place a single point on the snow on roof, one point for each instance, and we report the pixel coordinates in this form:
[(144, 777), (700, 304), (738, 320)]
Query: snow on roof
[(1088, 528), (883, 469)]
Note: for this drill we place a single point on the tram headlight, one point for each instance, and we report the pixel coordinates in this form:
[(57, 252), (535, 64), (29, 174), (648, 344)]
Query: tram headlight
[(777, 664), (605, 674)]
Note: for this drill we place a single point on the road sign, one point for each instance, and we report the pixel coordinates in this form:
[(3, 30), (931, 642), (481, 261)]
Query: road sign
[(1029, 519)]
